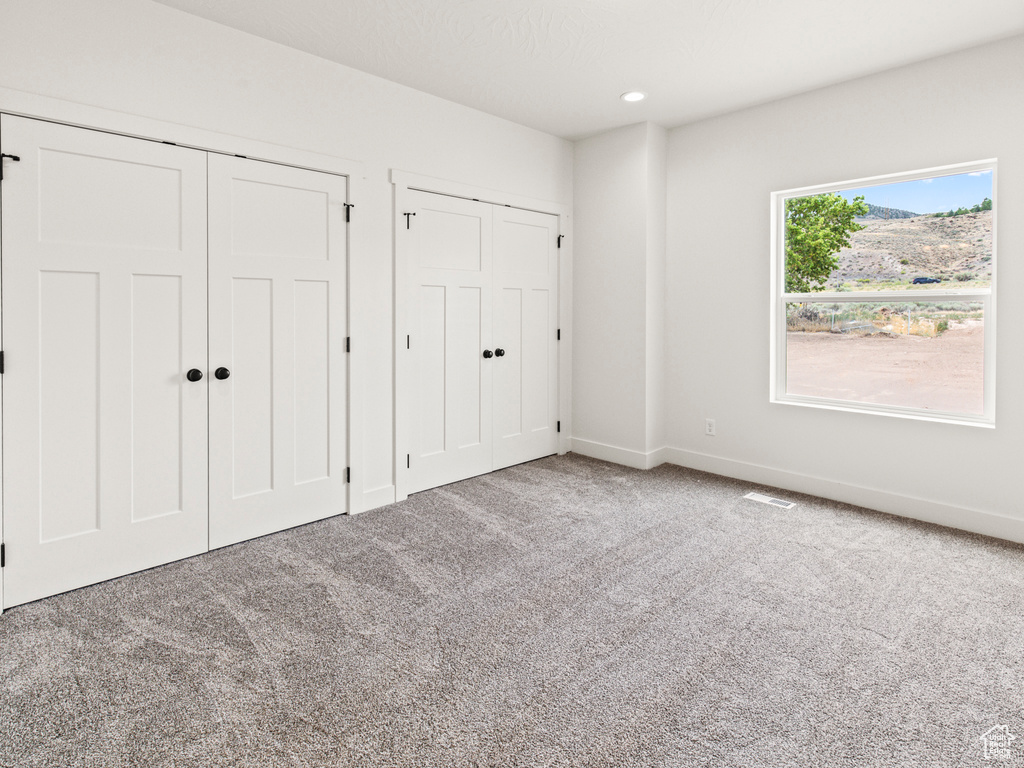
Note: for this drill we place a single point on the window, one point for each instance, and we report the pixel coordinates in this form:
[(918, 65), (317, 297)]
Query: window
[(883, 294)]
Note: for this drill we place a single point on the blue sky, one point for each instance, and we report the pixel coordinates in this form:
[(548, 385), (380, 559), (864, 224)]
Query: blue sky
[(934, 195)]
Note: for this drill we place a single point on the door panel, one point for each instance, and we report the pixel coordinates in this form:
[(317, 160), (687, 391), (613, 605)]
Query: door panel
[(464, 369), (312, 387), (430, 379), (69, 313), (450, 236), (537, 330), (450, 258), (252, 401), (297, 229), (525, 288), (104, 245), (157, 319), (277, 323), (508, 384), (114, 216)]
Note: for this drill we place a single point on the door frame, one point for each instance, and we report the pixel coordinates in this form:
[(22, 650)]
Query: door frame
[(30, 105), (403, 183)]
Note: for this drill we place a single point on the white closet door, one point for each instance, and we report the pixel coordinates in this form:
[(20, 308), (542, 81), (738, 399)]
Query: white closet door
[(277, 325), (449, 247), (525, 327), (104, 311)]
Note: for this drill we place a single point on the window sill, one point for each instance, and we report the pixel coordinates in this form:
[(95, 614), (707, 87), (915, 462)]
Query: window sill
[(896, 411)]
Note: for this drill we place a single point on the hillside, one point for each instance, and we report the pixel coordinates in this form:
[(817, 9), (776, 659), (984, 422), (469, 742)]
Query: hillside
[(881, 212), (901, 249)]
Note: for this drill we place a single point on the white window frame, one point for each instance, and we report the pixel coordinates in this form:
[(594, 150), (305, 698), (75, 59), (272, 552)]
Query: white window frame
[(780, 298)]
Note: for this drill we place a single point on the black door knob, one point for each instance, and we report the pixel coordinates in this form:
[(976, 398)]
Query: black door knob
[(499, 352), (194, 374), (488, 354), (222, 373)]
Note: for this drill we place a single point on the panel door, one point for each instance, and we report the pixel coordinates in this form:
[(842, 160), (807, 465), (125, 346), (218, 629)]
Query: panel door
[(278, 245), (525, 327), (449, 246), (104, 312)]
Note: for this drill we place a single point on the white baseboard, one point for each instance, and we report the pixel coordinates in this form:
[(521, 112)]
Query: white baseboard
[(378, 497), (973, 520), (623, 456)]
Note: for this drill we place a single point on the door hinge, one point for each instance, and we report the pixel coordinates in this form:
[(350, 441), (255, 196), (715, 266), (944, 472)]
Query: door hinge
[(348, 474), (348, 210), (560, 240), (408, 463), (3, 555), (558, 426), (408, 218), (348, 345), (558, 335), (15, 158), (408, 342), (1, 362)]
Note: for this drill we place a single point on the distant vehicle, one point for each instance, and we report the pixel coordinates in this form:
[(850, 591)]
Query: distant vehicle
[(925, 280)]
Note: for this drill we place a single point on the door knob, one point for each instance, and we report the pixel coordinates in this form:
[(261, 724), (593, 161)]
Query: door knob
[(222, 373), (488, 354), (194, 374), (499, 352)]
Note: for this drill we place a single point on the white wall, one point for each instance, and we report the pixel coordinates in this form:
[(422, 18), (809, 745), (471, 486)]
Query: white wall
[(618, 281), (144, 59), (962, 107), (657, 190)]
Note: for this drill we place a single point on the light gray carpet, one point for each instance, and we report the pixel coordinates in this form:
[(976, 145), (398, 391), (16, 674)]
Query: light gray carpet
[(565, 612)]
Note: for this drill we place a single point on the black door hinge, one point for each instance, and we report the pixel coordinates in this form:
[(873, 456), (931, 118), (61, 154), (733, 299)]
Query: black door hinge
[(408, 463), (408, 342), (348, 345), (560, 240), (3, 555), (1, 362), (408, 218), (348, 210), (348, 474), (558, 426), (15, 158), (558, 335)]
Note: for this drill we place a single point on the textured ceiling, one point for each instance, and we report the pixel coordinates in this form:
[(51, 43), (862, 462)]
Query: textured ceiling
[(560, 65)]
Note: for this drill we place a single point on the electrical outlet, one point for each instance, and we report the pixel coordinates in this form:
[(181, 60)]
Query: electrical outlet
[(709, 427)]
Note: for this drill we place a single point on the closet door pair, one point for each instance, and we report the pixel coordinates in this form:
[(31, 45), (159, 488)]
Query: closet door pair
[(483, 337), (173, 329)]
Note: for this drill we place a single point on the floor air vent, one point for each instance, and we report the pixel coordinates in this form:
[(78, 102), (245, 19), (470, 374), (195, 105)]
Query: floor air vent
[(769, 500)]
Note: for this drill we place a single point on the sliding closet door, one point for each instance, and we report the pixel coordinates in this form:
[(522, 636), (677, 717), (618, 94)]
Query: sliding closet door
[(449, 247), (104, 313), (525, 328), (277, 347)]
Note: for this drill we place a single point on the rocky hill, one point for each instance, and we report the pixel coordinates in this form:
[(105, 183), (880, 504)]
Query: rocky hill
[(882, 212), (900, 249)]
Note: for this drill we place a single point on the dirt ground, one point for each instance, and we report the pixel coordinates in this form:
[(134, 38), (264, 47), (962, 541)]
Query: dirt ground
[(944, 373)]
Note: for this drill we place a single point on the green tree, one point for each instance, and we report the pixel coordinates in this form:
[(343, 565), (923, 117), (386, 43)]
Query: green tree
[(817, 228), (986, 204)]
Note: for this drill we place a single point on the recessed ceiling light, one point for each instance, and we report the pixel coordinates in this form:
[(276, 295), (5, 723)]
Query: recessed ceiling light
[(633, 96)]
